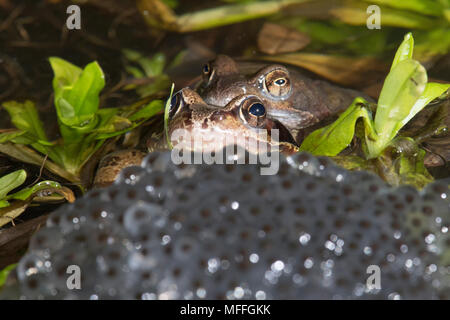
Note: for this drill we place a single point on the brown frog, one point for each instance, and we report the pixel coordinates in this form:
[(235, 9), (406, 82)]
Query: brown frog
[(290, 97), (197, 126)]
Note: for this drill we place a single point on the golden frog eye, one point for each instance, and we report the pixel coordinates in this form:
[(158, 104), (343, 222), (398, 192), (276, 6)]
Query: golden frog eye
[(277, 83), (253, 112)]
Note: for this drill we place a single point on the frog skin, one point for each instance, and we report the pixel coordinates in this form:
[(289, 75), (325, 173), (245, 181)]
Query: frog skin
[(243, 121), (298, 102), (111, 165)]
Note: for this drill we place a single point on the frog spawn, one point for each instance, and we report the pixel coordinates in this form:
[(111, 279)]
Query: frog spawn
[(226, 232)]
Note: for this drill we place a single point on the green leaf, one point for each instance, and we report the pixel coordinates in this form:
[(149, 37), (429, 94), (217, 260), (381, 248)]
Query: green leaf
[(10, 135), (115, 124), (135, 72), (152, 67), (65, 74), (11, 181), (166, 117), (432, 91), (148, 111), (66, 111), (25, 117), (160, 83), (5, 272), (24, 194), (356, 15), (86, 91), (4, 203), (405, 51), (76, 91), (332, 139), (401, 89)]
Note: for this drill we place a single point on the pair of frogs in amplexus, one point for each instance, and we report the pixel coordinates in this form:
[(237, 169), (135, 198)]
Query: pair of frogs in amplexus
[(255, 106), (245, 102)]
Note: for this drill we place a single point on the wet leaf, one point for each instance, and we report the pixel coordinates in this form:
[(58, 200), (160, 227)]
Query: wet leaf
[(11, 181), (402, 87), (53, 194), (28, 155), (148, 111), (25, 117), (76, 93), (11, 134), (432, 91), (159, 15), (65, 73), (25, 193), (332, 139), (405, 51), (356, 15), (274, 38), (42, 191), (8, 214)]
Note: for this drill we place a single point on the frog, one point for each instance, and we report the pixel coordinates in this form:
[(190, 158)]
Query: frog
[(195, 126), (295, 99)]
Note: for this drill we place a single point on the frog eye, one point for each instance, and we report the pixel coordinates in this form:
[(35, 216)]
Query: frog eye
[(257, 109), (253, 112), (176, 103), (206, 68), (277, 83), (208, 72)]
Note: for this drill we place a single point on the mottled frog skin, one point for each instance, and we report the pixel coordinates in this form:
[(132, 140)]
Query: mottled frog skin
[(290, 97)]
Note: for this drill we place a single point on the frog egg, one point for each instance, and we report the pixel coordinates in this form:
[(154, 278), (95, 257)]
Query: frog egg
[(227, 232), (47, 241), (130, 175), (142, 214), (438, 189), (305, 162), (32, 272), (130, 194), (32, 264), (68, 219), (156, 161), (331, 171)]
